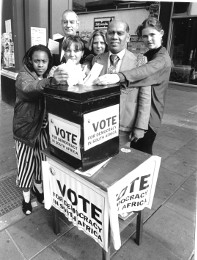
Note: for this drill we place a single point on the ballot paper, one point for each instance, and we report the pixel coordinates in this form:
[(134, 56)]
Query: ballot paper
[(93, 74), (94, 169), (75, 72), (53, 46)]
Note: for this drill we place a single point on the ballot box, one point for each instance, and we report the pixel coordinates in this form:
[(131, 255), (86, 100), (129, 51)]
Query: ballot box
[(83, 123)]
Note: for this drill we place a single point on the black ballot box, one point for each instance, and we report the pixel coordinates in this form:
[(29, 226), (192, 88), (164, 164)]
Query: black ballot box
[(83, 123)]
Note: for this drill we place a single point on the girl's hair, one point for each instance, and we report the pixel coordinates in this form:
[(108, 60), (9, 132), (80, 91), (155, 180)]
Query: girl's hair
[(101, 33), (73, 39), (149, 22), (27, 59)]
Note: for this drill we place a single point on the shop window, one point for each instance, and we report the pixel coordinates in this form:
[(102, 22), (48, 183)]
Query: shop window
[(80, 6), (184, 50), (181, 7)]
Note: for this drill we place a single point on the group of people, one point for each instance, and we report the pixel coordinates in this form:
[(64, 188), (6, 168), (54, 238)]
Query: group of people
[(143, 89)]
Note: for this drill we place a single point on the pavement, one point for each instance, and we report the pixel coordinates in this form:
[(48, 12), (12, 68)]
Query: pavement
[(169, 227)]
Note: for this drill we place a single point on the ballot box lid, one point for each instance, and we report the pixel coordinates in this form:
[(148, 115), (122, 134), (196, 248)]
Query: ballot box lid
[(82, 93)]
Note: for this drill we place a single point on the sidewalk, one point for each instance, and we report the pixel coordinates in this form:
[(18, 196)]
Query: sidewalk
[(169, 226)]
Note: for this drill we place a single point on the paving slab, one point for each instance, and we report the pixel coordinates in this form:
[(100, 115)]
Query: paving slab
[(7, 164), (35, 232), (183, 203), (190, 184), (48, 254), (175, 163), (167, 183), (170, 142), (188, 156), (177, 132), (76, 245), (150, 249), (192, 144), (8, 249), (164, 151), (173, 231)]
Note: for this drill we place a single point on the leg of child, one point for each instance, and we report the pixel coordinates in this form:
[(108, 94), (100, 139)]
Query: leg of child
[(26, 203), (25, 166), (41, 144)]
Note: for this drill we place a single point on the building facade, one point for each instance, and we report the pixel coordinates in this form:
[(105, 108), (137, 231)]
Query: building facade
[(179, 20)]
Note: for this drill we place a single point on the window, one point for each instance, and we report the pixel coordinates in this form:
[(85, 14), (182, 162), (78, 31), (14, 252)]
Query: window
[(80, 6), (184, 50)]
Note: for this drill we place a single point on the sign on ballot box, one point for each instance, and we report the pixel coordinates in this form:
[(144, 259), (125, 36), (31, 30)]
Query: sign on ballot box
[(99, 126), (89, 207)]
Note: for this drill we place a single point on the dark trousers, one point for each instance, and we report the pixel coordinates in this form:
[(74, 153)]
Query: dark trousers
[(145, 144)]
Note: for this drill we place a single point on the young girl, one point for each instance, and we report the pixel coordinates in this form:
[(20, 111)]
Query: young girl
[(155, 72), (29, 122), (73, 48)]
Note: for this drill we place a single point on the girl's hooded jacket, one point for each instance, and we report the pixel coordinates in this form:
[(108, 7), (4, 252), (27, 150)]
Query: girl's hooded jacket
[(29, 107)]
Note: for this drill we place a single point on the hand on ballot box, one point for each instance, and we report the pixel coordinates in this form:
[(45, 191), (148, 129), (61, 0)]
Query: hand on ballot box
[(107, 79)]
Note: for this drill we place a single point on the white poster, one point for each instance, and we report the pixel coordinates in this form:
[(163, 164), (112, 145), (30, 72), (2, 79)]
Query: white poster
[(79, 200), (65, 135), (100, 126), (133, 192), (53, 46), (38, 36), (8, 26)]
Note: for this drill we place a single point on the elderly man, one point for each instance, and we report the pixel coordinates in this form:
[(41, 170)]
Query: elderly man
[(134, 102), (70, 26)]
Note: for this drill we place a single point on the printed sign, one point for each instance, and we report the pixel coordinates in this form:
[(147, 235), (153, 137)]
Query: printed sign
[(80, 201), (38, 36), (65, 135), (133, 192), (101, 126), (102, 22)]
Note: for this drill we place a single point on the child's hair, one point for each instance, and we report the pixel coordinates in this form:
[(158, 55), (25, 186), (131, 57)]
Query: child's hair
[(98, 32), (28, 57), (73, 39), (149, 22)]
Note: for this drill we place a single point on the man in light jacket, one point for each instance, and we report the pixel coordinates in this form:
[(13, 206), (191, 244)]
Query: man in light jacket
[(135, 103)]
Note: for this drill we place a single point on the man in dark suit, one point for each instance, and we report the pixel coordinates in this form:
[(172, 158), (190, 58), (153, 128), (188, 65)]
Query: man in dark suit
[(70, 26), (134, 102)]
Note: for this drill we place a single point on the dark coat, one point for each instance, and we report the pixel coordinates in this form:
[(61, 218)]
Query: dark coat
[(155, 73), (29, 106)]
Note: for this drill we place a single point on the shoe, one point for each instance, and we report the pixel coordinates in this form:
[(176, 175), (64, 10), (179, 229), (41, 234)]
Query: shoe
[(26, 207), (39, 196)]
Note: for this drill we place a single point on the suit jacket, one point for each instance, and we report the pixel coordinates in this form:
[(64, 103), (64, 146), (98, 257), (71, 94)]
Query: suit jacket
[(56, 57), (134, 102), (155, 73)]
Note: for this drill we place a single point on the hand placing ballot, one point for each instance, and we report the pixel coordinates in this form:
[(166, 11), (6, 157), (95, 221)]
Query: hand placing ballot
[(60, 76), (107, 79)]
